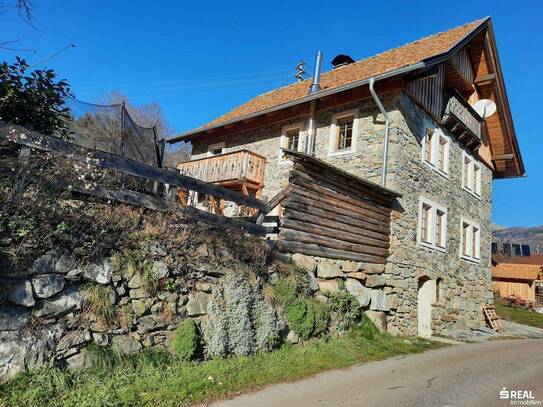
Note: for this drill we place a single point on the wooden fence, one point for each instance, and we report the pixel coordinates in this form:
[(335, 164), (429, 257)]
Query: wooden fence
[(331, 213), (122, 165)]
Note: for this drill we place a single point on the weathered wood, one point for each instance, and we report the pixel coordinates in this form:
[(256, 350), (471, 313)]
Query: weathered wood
[(299, 179), (272, 203), (241, 166), (324, 241), (340, 186), (289, 223), (123, 165), (322, 214), (320, 251), (154, 203), (342, 208)]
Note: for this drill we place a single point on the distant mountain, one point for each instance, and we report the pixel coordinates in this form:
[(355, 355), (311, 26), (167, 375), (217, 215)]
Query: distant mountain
[(532, 236)]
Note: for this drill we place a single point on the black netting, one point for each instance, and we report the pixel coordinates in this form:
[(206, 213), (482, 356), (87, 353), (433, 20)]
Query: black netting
[(112, 129)]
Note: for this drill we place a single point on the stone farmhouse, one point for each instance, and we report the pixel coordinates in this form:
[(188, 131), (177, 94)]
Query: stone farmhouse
[(406, 122)]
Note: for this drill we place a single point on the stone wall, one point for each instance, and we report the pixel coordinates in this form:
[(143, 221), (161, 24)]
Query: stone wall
[(61, 304), (464, 286)]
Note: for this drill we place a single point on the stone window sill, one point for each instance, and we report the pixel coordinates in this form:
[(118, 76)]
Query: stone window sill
[(473, 194), (436, 170), (433, 247), (470, 259), (340, 153)]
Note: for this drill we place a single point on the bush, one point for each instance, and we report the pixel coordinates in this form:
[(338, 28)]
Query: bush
[(306, 317), (100, 302), (186, 340), (347, 308)]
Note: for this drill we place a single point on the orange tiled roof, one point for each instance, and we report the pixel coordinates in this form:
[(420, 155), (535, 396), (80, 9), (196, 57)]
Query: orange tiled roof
[(516, 271), (396, 58)]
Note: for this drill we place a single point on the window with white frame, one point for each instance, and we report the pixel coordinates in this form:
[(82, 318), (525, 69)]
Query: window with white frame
[(290, 139), (343, 133), (432, 230), (471, 175), (470, 244), (435, 149)]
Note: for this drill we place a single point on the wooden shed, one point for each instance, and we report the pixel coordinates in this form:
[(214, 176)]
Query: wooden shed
[(521, 280)]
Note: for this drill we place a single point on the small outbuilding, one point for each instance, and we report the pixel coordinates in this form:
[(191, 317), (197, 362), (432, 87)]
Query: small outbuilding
[(520, 280)]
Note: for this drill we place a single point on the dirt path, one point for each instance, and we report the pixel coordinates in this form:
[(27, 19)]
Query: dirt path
[(463, 375)]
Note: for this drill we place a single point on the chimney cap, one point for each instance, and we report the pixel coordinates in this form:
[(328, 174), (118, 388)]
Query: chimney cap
[(341, 60)]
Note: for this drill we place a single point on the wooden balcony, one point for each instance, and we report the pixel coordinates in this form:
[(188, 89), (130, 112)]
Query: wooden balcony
[(461, 119), (237, 170)]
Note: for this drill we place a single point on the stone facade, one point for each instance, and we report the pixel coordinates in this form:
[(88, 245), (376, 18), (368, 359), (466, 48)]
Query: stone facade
[(463, 285)]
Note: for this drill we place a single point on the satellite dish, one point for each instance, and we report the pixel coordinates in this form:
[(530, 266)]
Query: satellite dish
[(485, 108)]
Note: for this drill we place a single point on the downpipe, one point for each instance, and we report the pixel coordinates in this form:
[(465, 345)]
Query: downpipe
[(385, 147)]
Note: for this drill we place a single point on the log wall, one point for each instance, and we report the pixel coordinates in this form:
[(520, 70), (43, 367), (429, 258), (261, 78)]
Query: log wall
[(330, 213)]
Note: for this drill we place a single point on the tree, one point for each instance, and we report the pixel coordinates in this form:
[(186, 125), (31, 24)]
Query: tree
[(34, 100)]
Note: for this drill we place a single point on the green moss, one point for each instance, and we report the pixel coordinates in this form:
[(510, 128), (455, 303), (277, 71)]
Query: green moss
[(186, 340)]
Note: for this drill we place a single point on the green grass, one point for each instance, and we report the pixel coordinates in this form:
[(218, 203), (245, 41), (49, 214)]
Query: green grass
[(519, 315), (158, 379)]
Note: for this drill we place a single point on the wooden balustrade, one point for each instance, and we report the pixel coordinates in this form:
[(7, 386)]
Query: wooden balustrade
[(239, 166), (462, 120)]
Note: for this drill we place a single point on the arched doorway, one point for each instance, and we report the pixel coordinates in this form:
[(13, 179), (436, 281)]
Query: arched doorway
[(426, 297)]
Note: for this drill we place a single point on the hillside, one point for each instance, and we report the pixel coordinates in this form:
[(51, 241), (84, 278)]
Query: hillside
[(530, 235)]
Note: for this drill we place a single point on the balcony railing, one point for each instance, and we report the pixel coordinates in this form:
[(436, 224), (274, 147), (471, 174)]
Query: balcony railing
[(239, 166), (461, 119)]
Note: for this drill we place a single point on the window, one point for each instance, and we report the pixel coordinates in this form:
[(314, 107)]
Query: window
[(343, 133), (516, 249), (471, 175), (471, 240), (525, 250), (432, 231), (436, 150), (494, 248), (215, 149), (290, 139)]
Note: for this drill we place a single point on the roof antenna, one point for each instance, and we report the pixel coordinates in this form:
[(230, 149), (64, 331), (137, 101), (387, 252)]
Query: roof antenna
[(316, 84), (300, 71)]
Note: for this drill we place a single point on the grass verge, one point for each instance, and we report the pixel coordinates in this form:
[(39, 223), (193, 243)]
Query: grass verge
[(158, 379), (520, 315)]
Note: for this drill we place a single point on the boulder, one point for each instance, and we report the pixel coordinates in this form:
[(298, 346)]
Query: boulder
[(72, 339), (160, 270), (136, 281), (78, 361), (306, 262), (13, 318), (328, 269), (292, 337), (66, 263), (205, 287), (379, 301), (197, 304), (99, 271), (21, 294), (73, 275), (46, 263), (47, 285), (361, 293), (375, 280), (126, 345), (20, 351), (100, 339), (378, 318), (313, 283), (150, 323), (137, 293), (349, 266), (142, 306), (328, 286), (370, 268), (359, 275), (70, 301)]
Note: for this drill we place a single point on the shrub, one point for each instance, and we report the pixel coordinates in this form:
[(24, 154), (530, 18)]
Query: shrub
[(186, 340), (347, 308), (149, 280), (306, 317)]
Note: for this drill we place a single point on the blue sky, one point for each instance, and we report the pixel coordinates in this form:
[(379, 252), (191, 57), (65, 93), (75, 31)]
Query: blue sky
[(200, 59)]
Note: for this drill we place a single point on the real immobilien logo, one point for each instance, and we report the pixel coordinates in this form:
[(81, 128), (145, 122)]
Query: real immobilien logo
[(519, 397)]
